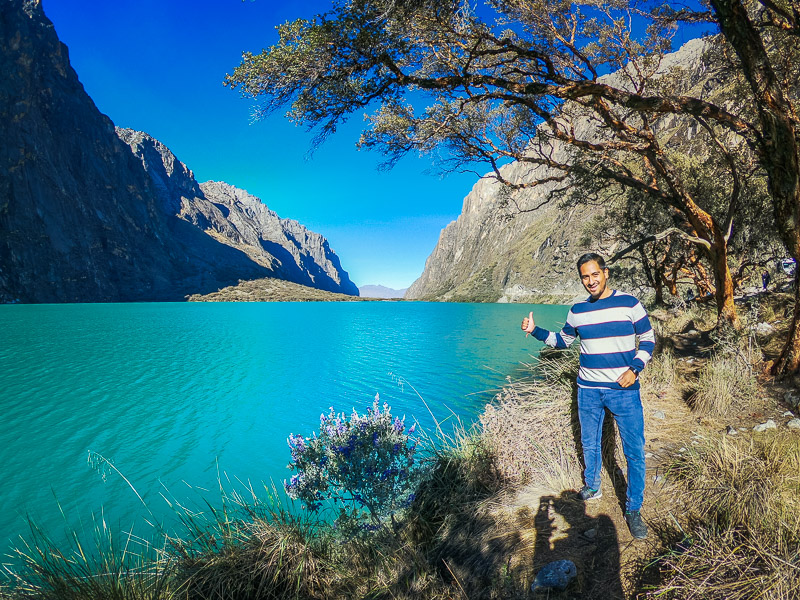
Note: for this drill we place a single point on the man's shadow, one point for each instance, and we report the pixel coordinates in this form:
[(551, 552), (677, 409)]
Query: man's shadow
[(591, 543)]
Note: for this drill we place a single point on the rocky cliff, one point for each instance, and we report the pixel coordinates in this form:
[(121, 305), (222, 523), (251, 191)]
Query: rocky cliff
[(240, 221), (81, 220), (78, 216), (493, 252)]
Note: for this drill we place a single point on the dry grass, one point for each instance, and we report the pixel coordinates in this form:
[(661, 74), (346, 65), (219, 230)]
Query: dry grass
[(532, 429), (743, 539), (724, 384), (728, 381), (661, 374)]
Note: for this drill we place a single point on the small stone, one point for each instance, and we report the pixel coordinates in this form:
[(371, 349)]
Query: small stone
[(770, 424), (695, 442), (731, 430), (659, 414), (683, 449), (793, 424), (764, 328), (590, 534), (788, 413), (555, 575), (792, 399), (742, 428), (658, 479), (648, 455)]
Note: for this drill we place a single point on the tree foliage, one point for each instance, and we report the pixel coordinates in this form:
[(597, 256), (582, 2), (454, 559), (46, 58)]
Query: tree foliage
[(529, 81)]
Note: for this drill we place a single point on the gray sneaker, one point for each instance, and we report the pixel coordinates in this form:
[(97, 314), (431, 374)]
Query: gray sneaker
[(635, 524), (588, 493)]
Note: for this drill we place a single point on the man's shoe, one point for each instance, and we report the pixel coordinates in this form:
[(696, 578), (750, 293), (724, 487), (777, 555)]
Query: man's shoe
[(588, 493), (635, 524)]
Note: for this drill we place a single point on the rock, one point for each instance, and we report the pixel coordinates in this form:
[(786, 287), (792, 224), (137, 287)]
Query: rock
[(555, 575), (793, 424), (590, 534), (764, 328), (770, 424), (731, 430), (792, 399), (788, 413), (659, 414), (648, 455), (682, 449), (658, 479)]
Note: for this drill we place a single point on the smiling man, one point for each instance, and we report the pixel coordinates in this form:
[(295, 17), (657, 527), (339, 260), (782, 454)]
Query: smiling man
[(609, 324)]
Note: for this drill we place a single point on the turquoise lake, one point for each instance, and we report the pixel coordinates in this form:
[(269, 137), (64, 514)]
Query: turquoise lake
[(175, 394)]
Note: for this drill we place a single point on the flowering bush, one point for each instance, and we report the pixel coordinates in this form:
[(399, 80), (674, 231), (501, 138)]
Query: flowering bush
[(363, 464)]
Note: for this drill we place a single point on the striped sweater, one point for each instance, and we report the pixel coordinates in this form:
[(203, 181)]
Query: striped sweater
[(608, 329)]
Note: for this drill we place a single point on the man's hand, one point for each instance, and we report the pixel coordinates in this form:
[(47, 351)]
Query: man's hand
[(627, 379), (528, 325)]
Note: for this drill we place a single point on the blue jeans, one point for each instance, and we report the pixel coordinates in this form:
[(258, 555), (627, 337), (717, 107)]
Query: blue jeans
[(626, 406)]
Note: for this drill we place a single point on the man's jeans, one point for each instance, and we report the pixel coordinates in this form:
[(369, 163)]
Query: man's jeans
[(626, 406)]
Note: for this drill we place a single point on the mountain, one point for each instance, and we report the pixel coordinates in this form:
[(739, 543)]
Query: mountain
[(380, 291), (240, 221), (87, 215), (494, 253)]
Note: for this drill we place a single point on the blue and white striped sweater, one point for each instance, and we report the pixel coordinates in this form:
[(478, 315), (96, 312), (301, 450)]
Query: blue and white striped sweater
[(608, 329)]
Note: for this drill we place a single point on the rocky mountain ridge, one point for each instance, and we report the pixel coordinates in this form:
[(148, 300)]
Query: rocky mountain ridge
[(85, 219), (239, 220)]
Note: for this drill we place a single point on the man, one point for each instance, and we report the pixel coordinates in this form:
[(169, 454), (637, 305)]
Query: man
[(608, 323)]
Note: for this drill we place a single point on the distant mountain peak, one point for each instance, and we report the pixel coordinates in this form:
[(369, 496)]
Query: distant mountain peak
[(380, 291)]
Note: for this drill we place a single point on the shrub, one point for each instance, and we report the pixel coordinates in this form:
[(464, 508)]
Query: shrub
[(364, 465)]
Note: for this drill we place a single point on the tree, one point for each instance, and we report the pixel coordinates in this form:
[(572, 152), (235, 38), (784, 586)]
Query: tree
[(765, 34), (519, 81)]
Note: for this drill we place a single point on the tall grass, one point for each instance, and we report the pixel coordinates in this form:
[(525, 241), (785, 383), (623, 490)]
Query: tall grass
[(250, 547), (743, 538), (532, 427), (93, 567), (728, 380)]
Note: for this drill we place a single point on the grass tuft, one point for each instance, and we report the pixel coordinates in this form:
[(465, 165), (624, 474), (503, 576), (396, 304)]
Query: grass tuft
[(101, 568), (531, 428), (743, 538)]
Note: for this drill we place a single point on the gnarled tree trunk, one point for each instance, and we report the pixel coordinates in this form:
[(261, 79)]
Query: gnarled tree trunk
[(779, 146)]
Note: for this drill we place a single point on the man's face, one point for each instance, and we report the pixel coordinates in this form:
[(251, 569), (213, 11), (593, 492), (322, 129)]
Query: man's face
[(594, 279)]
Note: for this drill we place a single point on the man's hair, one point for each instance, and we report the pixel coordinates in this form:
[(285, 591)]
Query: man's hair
[(589, 257)]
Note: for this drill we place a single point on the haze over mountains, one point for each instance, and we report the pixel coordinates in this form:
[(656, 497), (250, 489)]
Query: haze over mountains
[(93, 214), (380, 291)]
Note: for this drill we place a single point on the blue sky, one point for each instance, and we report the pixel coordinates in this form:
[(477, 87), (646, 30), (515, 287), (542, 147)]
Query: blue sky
[(158, 66)]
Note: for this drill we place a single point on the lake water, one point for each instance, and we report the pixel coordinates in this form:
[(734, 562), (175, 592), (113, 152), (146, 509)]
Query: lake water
[(175, 394)]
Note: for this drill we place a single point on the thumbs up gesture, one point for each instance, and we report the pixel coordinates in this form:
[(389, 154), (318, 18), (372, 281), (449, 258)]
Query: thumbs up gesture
[(528, 325)]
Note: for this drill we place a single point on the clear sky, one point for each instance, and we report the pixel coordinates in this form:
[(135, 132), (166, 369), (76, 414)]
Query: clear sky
[(158, 66)]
